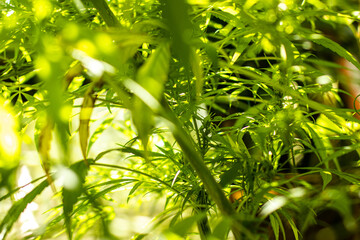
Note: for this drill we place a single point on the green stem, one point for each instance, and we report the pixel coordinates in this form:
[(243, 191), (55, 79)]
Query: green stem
[(196, 161), (203, 223), (106, 13)]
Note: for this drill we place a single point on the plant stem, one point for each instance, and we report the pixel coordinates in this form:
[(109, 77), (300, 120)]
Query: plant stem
[(106, 13), (203, 223), (196, 161)]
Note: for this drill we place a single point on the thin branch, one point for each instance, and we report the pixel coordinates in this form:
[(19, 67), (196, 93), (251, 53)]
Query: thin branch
[(106, 13)]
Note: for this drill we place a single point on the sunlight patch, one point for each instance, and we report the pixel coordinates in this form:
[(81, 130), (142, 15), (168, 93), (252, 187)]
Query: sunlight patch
[(272, 205)]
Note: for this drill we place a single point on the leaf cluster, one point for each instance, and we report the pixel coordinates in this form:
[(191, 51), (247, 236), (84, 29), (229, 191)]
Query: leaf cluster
[(240, 116)]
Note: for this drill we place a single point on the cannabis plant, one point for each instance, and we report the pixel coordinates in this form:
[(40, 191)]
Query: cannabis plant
[(199, 119)]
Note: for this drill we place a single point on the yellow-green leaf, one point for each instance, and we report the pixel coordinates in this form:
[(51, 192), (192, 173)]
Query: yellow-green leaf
[(85, 114), (151, 78), (153, 74), (44, 144)]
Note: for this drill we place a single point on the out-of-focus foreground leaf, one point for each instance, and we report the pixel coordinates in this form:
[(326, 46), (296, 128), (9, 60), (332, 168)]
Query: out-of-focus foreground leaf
[(18, 207), (73, 180)]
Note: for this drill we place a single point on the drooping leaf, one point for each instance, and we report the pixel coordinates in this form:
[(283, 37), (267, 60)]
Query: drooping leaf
[(133, 189), (326, 177), (85, 115), (154, 73), (44, 142), (51, 72), (143, 119), (343, 151), (151, 78)]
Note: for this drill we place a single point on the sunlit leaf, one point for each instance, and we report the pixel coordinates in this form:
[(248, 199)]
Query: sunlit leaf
[(96, 134), (151, 77), (44, 143), (133, 189), (326, 177), (85, 115), (18, 207), (335, 47), (153, 74), (198, 72)]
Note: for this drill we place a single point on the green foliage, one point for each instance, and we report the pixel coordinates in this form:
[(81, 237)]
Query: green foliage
[(18, 207), (234, 117)]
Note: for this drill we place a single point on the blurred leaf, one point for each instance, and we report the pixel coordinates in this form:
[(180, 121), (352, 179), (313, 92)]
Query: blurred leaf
[(339, 200), (227, 17), (354, 179), (287, 51), (275, 225), (318, 4), (52, 64), (133, 189), (293, 226), (102, 127), (196, 65), (326, 177), (184, 226), (106, 13), (85, 115), (228, 176), (154, 73), (9, 138), (176, 15), (151, 77), (73, 188), (139, 236), (211, 51), (222, 229), (18, 207), (44, 143), (11, 193)]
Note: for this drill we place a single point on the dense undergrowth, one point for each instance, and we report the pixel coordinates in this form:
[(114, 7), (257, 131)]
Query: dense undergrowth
[(238, 119)]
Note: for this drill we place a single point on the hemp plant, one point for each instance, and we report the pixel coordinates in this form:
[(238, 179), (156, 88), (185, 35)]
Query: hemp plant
[(236, 119)]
